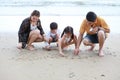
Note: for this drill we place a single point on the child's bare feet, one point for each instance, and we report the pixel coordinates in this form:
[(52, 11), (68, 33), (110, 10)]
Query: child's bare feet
[(101, 54), (62, 54)]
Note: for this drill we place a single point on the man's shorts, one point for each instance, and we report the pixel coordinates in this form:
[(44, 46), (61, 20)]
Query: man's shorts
[(92, 38)]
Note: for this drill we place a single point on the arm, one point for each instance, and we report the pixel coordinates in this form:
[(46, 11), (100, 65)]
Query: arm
[(104, 29), (104, 26), (42, 31), (94, 30), (79, 40), (23, 32), (58, 35), (40, 28), (78, 44), (74, 41), (81, 33), (60, 45), (47, 36)]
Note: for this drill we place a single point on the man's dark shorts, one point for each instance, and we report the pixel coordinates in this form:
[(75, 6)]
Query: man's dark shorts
[(92, 38)]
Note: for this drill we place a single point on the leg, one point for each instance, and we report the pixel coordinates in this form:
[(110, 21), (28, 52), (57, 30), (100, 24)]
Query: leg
[(73, 41), (101, 38), (87, 42), (60, 46), (34, 35), (47, 47)]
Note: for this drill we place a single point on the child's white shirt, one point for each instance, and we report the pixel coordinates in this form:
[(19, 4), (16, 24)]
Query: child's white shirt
[(49, 34)]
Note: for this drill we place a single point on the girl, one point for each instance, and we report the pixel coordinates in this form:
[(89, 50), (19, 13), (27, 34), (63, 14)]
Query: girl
[(67, 38)]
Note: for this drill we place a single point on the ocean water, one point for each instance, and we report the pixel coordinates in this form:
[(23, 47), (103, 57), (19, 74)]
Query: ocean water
[(60, 7), (64, 12)]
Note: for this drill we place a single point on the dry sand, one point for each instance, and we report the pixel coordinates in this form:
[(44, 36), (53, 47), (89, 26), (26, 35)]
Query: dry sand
[(48, 65)]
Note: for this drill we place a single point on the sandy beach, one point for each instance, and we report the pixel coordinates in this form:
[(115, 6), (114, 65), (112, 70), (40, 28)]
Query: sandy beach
[(18, 64), (40, 64)]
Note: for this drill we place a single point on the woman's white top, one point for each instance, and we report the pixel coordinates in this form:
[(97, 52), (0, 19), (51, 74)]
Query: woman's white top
[(33, 27)]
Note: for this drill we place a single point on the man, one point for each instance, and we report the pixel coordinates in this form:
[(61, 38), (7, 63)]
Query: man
[(96, 29)]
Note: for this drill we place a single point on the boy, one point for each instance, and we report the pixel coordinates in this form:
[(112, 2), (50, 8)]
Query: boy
[(53, 35)]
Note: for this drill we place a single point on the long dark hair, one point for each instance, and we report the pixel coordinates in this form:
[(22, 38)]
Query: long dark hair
[(68, 29), (35, 13)]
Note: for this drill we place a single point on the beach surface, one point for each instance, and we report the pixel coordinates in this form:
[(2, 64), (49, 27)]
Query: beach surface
[(40, 64)]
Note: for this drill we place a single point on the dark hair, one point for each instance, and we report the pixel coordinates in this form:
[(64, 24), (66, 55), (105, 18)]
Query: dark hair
[(68, 29), (53, 25), (35, 13), (91, 16)]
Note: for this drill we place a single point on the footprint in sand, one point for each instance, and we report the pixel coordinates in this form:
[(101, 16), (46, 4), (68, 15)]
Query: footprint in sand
[(71, 75), (102, 75)]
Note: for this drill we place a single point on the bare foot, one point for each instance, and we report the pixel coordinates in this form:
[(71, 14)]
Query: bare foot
[(31, 48), (101, 54), (62, 54), (19, 46)]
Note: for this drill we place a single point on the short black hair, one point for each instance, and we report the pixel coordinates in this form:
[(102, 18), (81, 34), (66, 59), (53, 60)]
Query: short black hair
[(53, 25), (91, 16), (35, 13)]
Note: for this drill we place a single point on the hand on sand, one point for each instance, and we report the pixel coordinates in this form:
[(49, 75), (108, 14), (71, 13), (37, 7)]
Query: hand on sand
[(76, 51), (62, 54)]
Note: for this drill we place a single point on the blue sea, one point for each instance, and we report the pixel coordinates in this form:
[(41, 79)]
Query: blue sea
[(12, 12)]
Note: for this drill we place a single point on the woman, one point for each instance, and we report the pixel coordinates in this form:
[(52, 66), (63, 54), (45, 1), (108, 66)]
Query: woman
[(31, 31)]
